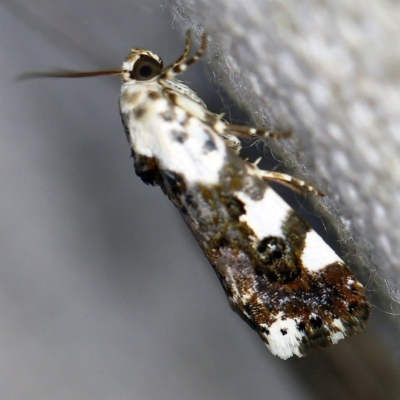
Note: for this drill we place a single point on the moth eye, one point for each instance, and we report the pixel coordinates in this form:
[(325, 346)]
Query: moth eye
[(146, 68)]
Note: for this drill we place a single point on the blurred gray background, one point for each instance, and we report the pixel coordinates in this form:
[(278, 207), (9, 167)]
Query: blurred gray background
[(104, 294)]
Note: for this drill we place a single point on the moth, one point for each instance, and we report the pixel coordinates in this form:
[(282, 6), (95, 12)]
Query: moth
[(277, 272)]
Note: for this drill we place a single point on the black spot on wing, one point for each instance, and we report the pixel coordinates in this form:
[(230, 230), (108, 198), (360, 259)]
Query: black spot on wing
[(179, 136), (209, 145), (280, 257), (278, 263), (316, 322), (265, 330), (146, 168), (301, 326)]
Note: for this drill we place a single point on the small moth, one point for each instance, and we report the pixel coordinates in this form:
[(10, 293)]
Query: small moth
[(278, 274)]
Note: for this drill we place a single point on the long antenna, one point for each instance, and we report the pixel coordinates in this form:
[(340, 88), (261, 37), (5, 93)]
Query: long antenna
[(66, 74)]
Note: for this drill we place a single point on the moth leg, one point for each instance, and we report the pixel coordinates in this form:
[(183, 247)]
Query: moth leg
[(247, 132), (183, 63), (233, 132), (232, 141), (184, 56), (296, 184)]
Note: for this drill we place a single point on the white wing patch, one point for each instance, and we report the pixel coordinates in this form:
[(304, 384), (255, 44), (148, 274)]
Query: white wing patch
[(317, 254), (199, 156), (266, 216), (284, 338)]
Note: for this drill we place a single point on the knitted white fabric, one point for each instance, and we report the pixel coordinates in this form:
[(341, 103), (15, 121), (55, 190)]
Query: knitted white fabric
[(330, 72)]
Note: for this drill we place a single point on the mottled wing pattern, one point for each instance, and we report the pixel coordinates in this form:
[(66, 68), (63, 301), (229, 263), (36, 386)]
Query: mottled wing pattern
[(279, 275)]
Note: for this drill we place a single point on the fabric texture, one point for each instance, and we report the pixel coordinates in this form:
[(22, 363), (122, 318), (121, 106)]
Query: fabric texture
[(329, 72)]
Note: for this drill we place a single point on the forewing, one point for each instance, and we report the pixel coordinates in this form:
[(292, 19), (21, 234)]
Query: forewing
[(279, 275)]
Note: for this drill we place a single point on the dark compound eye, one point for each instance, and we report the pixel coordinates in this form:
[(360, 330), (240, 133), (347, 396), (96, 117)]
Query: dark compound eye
[(146, 68)]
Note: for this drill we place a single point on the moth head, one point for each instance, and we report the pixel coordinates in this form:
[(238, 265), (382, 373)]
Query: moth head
[(141, 65)]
